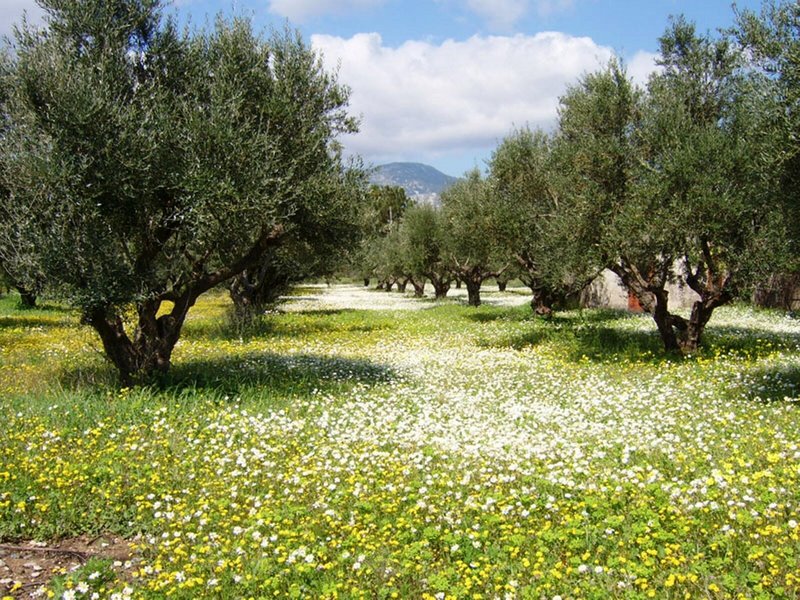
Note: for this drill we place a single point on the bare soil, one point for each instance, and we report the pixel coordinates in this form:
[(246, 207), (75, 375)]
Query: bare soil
[(26, 567)]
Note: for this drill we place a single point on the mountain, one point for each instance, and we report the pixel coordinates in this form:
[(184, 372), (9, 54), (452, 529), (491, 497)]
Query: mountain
[(421, 182)]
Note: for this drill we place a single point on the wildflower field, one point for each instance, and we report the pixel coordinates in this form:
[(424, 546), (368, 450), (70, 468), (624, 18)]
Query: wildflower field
[(330, 451)]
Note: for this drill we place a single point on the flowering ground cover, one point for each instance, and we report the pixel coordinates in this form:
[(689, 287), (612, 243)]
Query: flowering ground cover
[(331, 451)]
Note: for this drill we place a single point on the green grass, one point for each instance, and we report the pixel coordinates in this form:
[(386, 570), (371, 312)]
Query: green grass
[(439, 453)]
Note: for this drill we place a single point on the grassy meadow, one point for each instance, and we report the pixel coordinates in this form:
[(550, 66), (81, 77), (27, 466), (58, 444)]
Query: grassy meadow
[(421, 450)]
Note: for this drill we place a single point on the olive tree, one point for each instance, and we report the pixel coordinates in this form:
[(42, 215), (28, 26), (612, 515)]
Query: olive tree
[(706, 131), (146, 166), (301, 256), (18, 266), (596, 154), (380, 215), (526, 208), (668, 183), (423, 235), (771, 41), (693, 190), (469, 226)]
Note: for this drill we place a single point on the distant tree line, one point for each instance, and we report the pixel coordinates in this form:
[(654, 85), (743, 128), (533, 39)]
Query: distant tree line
[(693, 177), (141, 166)]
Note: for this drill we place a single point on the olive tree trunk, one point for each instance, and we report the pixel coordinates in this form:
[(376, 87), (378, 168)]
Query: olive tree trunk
[(254, 290), (713, 284), (473, 291), (419, 286), (27, 298), (441, 284), (649, 290), (473, 278), (149, 350)]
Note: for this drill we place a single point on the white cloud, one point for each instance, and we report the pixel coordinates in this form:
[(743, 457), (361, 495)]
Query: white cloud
[(641, 66), (422, 100), (300, 10), (12, 11)]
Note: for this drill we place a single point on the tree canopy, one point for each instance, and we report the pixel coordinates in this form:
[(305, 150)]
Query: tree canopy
[(669, 183), (145, 166), (470, 244)]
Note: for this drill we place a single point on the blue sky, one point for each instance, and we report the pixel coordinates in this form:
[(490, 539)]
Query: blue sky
[(443, 81)]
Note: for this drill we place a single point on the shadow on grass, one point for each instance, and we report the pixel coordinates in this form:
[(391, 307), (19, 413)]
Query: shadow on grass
[(749, 341), (29, 321), (299, 374), (13, 314), (266, 373), (525, 313), (326, 312), (489, 317), (771, 385), (590, 339), (600, 344)]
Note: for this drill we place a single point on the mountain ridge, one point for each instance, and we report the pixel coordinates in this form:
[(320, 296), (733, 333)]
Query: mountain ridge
[(421, 182)]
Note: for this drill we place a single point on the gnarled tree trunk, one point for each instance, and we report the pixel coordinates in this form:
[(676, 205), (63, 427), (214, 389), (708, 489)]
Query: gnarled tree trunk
[(650, 291), (541, 301), (473, 292), (254, 290), (473, 277), (149, 350), (440, 283), (712, 283), (419, 286), (27, 298)]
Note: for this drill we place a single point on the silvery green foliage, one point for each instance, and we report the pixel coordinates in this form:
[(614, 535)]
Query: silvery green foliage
[(669, 182), (470, 244), (144, 164)]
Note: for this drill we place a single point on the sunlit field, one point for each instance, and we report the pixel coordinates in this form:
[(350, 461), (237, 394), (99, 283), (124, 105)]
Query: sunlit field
[(420, 450)]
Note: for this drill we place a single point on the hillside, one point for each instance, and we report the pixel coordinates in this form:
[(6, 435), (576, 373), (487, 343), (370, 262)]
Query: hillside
[(421, 182)]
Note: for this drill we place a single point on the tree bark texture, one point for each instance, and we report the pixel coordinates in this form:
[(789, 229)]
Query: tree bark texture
[(253, 290), (419, 286), (149, 351), (473, 292), (473, 277), (440, 283), (679, 334), (27, 298)]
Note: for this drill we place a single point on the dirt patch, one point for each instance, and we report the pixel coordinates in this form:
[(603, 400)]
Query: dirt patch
[(27, 567)]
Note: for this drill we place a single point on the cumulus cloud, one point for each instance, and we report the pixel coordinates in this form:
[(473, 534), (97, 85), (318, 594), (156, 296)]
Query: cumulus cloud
[(12, 14), (423, 100), (641, 66), (300, 10)]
